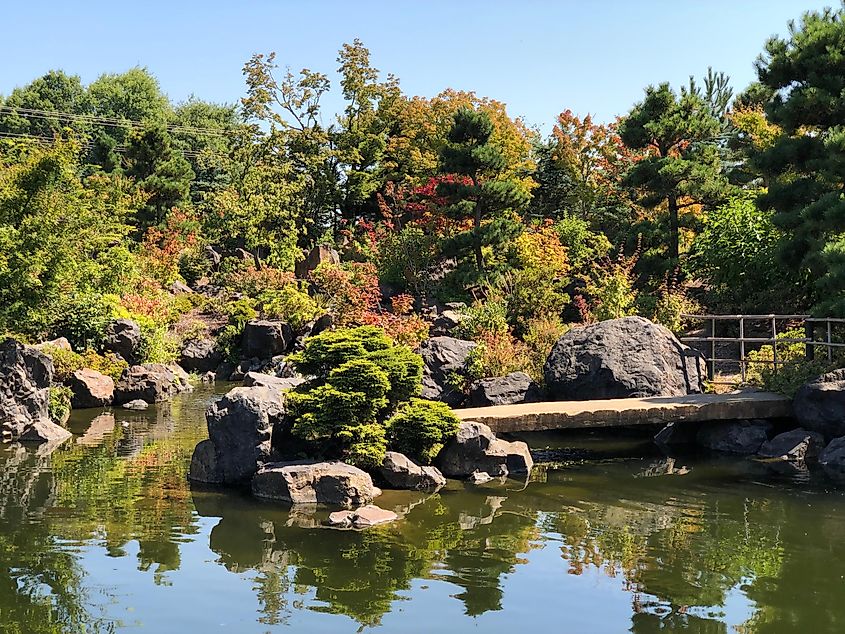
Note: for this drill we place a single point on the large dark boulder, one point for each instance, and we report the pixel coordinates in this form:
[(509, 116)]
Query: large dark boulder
[(90, 389), (743, 437), (205, 466), (796, 445), (820, 404), (200, 355), (239, 427), (150, 382), (832, 458), (443, 359), (265, 338), (329, 483), (476, 448), (123, 336), (516, 387), (25, 378), (400, 472), (621, 358)]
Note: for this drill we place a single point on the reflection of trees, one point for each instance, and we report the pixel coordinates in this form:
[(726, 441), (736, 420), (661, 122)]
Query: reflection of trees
[(360, 573)]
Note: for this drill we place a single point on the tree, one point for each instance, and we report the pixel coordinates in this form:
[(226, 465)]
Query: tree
[(481, 196), (55, 91), (160, 170), (682, 166), (806, 164)]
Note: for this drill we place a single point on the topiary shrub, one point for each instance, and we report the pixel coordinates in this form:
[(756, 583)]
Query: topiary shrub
[(357, 378), (420, 428)]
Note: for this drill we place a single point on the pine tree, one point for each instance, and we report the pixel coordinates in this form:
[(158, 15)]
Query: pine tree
[(682, 167), (480, 194), (805, 80)]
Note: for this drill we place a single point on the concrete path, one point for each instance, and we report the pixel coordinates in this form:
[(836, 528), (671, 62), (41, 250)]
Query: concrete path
[(629, 411)]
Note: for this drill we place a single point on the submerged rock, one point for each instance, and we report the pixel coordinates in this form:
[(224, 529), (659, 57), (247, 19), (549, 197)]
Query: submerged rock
[(364, 517), (239, 426), (820, 404), (400, 472), (443, 358), (621, 358), (476, 448), (682, 433), (740, 437), (136, 405), (90, 389), (329, 483), (796, 445), (516, 387), (123, 336)]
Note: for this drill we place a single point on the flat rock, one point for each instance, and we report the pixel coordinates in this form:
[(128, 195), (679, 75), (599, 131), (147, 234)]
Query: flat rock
[(90, 389), (400, 472), (44, 431), (364, 517), (622, 358), (275, 382), (328, 483), (137, 405)]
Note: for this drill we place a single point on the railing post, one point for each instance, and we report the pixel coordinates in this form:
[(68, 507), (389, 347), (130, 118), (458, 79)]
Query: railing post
[(809, 327), (742, 348), (711, 370), (774, 346), (829, 347)]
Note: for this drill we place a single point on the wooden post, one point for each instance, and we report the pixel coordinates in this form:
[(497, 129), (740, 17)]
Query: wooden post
[(829, 347), (810, 352), (712, 367), (774, 346), (742, 348)]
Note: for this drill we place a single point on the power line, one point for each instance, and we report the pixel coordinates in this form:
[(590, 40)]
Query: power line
[(103, 121)]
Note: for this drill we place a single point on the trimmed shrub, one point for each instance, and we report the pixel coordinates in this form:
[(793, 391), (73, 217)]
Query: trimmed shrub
[(420, 428)]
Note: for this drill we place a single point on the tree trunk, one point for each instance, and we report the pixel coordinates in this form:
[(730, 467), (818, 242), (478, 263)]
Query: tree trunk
[(674, 230), (479, 256)]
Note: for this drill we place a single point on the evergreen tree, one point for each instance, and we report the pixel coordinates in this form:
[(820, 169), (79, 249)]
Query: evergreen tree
[(160, 170), (480, 195), (682, 167), (805, 165)]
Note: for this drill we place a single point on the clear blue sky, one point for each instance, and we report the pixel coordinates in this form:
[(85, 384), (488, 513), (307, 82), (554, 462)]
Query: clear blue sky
[(539, 57)]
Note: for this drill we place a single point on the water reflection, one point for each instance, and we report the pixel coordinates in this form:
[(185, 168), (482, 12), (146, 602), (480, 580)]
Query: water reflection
[(697, 544)]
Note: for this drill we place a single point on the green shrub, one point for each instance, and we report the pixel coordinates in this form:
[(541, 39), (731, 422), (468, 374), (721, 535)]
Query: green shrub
[(239, 313), (59, 404), (420, 428), (65, 362), (358, 376), (290, 304)]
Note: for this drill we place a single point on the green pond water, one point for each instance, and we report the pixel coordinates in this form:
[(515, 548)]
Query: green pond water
[(105, 534)]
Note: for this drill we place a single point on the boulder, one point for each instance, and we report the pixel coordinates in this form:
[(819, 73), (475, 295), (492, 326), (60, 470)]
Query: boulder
[(444, 357), (264, 338), (476, 448), (61, 343), (832, 458), (364, 517), (516, 387), (400, 472), (205, 467), (275, 382), (213, 255), (150, 382), (25, 378), (44, 431), (795, 446), (240, 425), (200, 355), (621, 358), (136, 405), (329, 483), (480, 477), (446, 322), (740, 437), (123, 336), (820, 404), (90, 389), (180, 288), (316, 257)]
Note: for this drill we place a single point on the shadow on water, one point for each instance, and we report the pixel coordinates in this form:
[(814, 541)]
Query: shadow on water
[(612, 537)]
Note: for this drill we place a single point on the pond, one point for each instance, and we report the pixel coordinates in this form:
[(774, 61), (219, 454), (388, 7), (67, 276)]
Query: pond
[(105, 534)]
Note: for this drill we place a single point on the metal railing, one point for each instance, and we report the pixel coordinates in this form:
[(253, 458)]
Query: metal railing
[(745, 344)]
